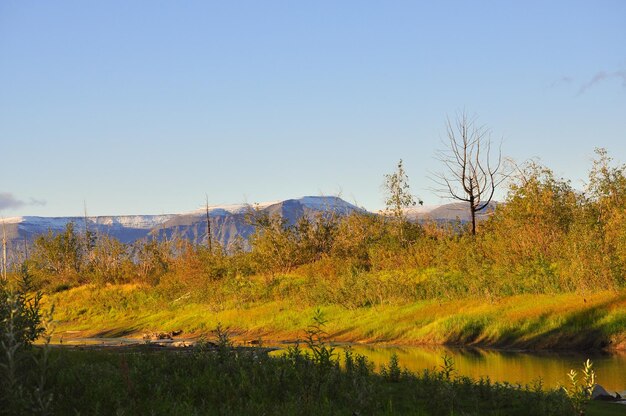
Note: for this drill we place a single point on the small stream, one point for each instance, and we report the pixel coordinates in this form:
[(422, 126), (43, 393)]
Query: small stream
[(512, 366), (522, 367)]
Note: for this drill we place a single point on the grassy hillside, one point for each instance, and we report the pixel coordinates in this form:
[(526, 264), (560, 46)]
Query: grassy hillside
[(568, 321), (547, 269), (216, 378)]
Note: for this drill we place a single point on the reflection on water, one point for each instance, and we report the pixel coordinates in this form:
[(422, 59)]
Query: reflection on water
[(514, 367), (511, 366)]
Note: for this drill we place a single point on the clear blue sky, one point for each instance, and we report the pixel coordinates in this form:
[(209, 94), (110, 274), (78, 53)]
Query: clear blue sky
[(146, 106)]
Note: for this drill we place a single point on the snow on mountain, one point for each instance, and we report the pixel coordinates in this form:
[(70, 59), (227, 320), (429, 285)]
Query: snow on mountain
[(229, 224), (144, 222), (228, 220), (11, 220), (327, 203), (420, 209), (42, 223), (449, 212), (220, 210), (320, 203)]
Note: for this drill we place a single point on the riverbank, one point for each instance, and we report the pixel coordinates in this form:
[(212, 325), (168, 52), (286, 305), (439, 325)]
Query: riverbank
[(537, 322), (504, 366), (223, 380)]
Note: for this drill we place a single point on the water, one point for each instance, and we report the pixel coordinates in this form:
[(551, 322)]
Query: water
[(510, 366), (521, 367)]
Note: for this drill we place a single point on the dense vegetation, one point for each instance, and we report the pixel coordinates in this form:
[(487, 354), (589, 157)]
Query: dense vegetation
[(545, 238), (216, 378), (549, 259), (244, 382), (545, 270)]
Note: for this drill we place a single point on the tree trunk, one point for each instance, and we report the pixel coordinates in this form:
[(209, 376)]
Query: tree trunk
[(473, 211), (473, 214)]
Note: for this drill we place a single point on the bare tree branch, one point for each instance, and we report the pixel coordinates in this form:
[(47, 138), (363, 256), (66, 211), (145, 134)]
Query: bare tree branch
[(471, 174)]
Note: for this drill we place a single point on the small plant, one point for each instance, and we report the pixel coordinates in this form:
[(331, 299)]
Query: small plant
[(42, 396), (221, 347), (579, 391), (222, 336), (316, 340), (392, 372), (447, 368)]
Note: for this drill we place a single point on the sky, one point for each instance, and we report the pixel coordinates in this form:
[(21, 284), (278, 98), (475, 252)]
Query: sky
[(145, 107)]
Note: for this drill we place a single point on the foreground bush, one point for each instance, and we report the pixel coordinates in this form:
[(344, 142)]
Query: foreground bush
[(217, 379), (23, 369)]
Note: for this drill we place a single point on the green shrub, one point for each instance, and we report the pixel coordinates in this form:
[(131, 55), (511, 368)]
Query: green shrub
[(23, 369)]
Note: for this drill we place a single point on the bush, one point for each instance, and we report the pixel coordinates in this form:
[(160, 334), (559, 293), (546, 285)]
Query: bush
[(23, 389)]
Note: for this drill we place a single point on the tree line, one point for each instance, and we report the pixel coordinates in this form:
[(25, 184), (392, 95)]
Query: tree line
[(545, 237)]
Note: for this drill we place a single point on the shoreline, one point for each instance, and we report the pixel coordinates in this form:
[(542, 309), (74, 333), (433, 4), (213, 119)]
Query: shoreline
[(530, 323), (284, 343)]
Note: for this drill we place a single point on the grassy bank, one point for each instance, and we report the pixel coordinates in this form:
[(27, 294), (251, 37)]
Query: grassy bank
[(545, 270), (215, 378), (562, 321)]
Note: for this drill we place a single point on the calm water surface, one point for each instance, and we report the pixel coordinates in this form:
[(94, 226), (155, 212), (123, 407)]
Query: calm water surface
[(498, 365), (511, 366)]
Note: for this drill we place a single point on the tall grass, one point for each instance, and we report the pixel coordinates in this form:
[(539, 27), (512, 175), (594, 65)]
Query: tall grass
[(226, 380), (525, 321), (217, 378)]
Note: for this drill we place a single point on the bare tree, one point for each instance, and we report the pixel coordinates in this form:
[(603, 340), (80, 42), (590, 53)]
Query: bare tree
[(208, 225), (472, 173), (4, 251)]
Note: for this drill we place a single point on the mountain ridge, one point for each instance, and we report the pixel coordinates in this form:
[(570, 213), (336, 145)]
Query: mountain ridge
[(228, 222)]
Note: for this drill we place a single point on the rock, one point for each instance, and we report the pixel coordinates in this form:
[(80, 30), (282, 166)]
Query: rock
[(182, 344), (599, 393), (161, 335)]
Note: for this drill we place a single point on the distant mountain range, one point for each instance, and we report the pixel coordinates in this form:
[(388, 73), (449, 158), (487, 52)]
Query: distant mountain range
[(228, 222), (448, 212)]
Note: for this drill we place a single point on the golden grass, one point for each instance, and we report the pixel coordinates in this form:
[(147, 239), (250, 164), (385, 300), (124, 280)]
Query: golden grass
[(527, 321)]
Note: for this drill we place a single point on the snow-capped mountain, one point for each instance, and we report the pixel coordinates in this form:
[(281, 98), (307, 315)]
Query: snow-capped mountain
[(126, 228), (448, 212), (229, 223), (59, 223)]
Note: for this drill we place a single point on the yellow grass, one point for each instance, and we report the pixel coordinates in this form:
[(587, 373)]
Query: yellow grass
[(528, 321)]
